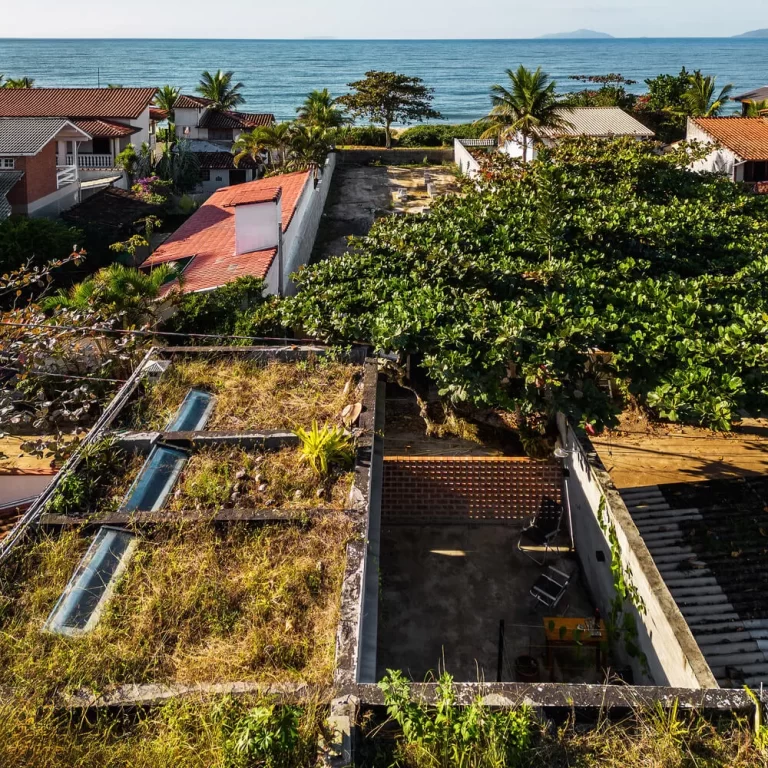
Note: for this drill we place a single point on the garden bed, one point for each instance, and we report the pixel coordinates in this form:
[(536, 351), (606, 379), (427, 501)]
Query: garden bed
[(250, 395), (194, 605)]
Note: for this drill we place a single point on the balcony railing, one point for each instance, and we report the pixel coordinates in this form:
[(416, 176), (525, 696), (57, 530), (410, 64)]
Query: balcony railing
[(65, 174), (479, 142), (88, 161)]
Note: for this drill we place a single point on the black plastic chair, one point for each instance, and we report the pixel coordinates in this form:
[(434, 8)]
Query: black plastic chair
[(542, 532)]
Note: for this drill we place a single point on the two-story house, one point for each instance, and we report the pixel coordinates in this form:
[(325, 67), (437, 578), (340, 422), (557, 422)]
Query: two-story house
[(32, 179), (113, 118), (211, 133)]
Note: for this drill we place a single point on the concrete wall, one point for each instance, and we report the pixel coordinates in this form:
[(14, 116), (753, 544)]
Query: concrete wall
[(719, 160), (449, 489), (397, 156), (673, 656), (299, 240), (463, 158)]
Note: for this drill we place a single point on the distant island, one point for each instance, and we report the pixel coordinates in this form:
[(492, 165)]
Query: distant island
[(579, 34), (755, 33)]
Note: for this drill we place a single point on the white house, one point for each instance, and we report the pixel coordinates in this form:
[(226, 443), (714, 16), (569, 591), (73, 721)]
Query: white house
[(264, 228), (739, 146)]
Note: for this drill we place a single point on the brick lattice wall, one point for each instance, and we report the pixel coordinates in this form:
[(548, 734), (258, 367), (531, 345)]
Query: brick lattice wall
[(427, 489)]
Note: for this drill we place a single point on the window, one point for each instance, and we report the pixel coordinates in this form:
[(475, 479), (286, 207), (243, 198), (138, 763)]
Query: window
[(7, 163), (155, 481), (220, 134), (205, 174), (78, 609), (193, 412)]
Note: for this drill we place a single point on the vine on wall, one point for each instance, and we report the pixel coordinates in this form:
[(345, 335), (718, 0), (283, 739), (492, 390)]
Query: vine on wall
[(622, 623)]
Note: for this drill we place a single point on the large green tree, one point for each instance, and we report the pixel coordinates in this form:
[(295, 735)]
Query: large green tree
[(385, 98), (700, 100), (525, 106), (321, 110), (507, 296)]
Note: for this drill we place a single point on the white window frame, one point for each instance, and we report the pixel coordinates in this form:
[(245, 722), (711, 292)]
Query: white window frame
[(7, 163)]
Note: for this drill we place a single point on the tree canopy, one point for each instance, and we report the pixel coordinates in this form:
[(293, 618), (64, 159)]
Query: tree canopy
[(385, 98), (508, 294)]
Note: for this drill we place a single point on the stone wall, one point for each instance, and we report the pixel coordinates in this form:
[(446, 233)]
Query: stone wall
[(493, 489)]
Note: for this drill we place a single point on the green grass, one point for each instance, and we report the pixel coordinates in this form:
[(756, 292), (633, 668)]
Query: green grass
[(195, 605), (272, 479), (252, 396)]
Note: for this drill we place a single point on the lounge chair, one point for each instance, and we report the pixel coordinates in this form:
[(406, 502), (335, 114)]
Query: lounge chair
[(542, 532), (550, 587)]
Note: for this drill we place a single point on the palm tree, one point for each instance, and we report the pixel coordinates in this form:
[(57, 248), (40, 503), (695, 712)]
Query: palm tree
[(310, 145), (526, 107), (757, 108), (251, 144), (115, 289), (277, 139), (165, 99), (19, 82), (699, 99), (320, 109), (220, 90)]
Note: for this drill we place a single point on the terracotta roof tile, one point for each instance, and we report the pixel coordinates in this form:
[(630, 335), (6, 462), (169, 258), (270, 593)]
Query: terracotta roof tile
[(105, 128), (746, 136), (214, 119), (157, 114), (222, 161), (75, 102), (209, 234), (191, 102)]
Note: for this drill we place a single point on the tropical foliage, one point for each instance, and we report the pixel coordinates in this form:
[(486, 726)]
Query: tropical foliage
[(25, 240), (507, 307), (321, 110), (611, 93), (220, 89), (700, 100), (16, 82), (385, 98), (166, 97), (525, 107)]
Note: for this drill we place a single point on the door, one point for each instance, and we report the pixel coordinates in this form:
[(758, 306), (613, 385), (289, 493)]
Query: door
[(237, 176)]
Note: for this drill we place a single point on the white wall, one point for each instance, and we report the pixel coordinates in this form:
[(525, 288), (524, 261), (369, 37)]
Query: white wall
[(514, 148), (720, 160), (673, 655), (189, 118), (17, 487), (257, 226), (53, 204), (299, 240), (463, 158)]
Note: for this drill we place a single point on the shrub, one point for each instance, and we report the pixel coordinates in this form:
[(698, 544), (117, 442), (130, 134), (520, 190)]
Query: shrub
[(322, 448), (38, 240), (436, 135), (362, 136)]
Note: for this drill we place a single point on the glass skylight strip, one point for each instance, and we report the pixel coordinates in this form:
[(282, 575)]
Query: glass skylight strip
[(155, 481), (78, 609), (193, 412)]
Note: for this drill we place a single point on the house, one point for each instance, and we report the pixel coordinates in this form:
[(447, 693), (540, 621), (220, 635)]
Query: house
[(211, 133), (739, 146), (597, 122), (751, 97), (264, 228), (33, 181), (113, 118)]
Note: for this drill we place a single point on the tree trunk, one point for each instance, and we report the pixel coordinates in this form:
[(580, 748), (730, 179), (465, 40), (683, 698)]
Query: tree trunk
[(388, 134), (525, 149)]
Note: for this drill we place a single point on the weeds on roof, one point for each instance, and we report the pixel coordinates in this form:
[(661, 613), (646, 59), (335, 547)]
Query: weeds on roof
[(225, 477), (189, 733), (195, 605), (250, 395)]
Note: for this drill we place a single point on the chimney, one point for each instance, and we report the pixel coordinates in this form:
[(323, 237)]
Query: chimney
[(258, 217)]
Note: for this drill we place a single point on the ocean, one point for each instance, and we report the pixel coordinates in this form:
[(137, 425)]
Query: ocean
[(278, 73)]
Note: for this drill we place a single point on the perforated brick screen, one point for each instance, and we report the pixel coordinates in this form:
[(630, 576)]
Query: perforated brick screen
[(477, 488)]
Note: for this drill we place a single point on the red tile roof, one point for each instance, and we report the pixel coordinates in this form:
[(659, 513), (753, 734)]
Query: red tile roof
[(229, 119), (157, 114), (746, 136), (191, 102), (108, 129), (222, 161), (75, 102), (209, 234)]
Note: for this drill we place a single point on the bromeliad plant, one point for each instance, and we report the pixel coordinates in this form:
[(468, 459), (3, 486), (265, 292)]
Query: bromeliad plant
[(324, 447)]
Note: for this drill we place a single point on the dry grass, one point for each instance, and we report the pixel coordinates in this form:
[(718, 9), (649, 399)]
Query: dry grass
[(195, 605), (272, 478), (253, 396)]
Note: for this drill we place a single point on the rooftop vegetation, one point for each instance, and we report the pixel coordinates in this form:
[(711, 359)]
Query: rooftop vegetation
[(225, 477), (195, 605), (506, 293), (253, 395)]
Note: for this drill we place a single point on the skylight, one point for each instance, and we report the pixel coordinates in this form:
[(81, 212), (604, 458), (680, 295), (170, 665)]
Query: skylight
[(151, 488), (193, 412), (80, 605)]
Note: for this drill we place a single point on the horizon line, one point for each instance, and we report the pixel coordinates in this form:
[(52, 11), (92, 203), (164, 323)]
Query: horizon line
[(330, 39)]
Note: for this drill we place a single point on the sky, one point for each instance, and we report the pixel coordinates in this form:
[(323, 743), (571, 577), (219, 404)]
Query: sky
[(369, 19)]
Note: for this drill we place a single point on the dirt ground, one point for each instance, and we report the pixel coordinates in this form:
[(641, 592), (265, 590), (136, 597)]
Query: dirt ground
[(639, 454), (360, 194)]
